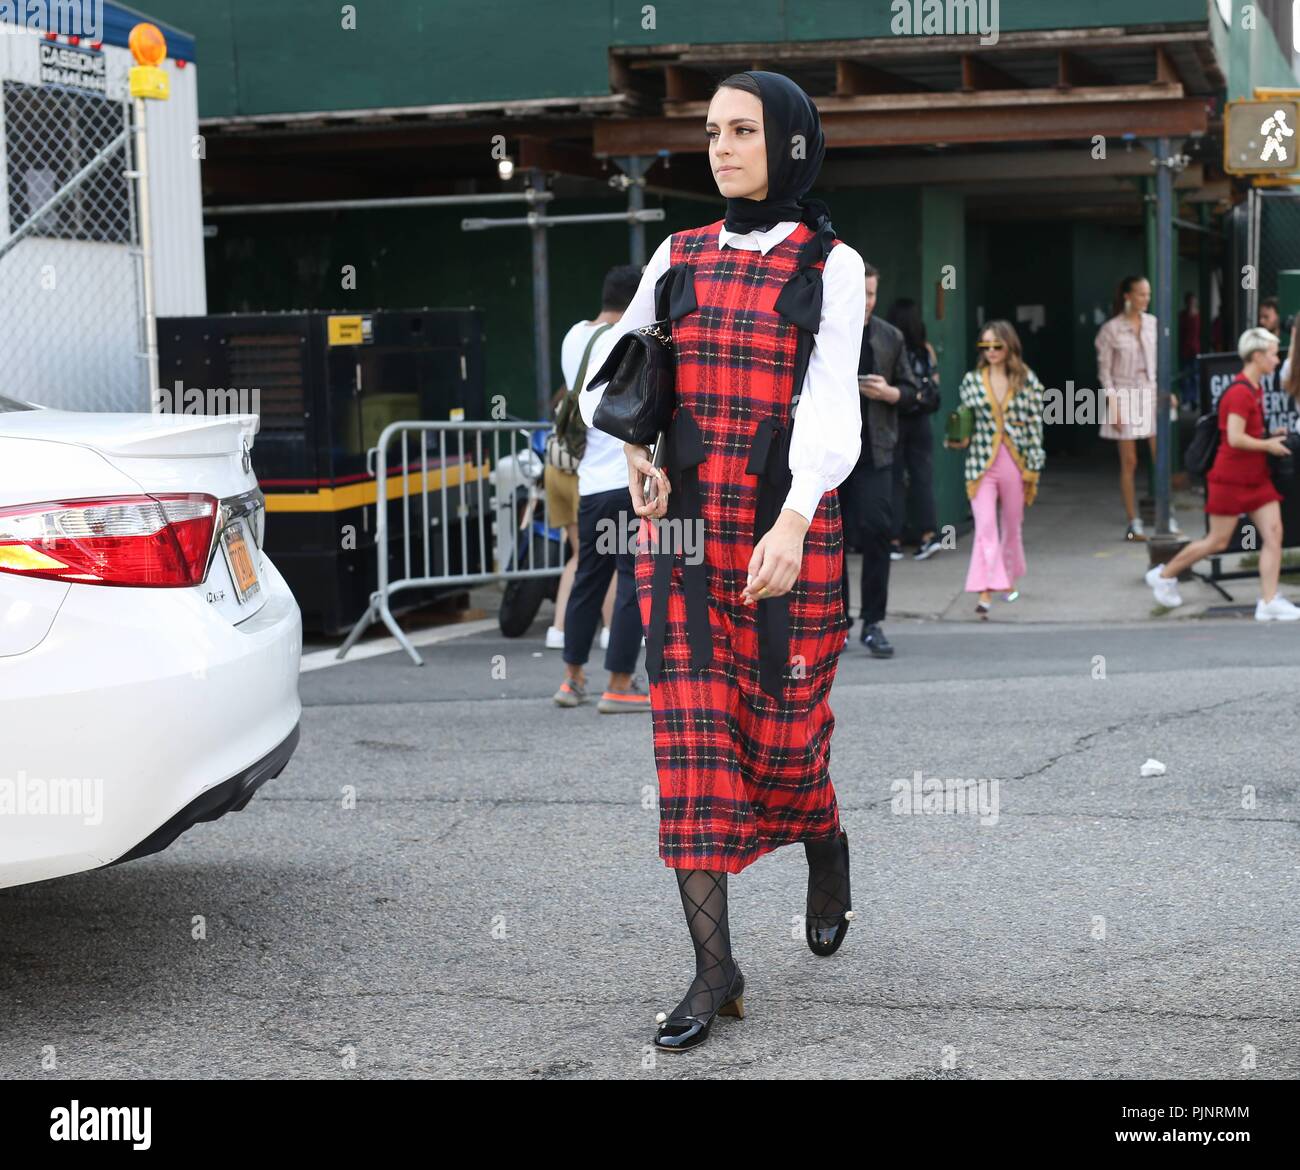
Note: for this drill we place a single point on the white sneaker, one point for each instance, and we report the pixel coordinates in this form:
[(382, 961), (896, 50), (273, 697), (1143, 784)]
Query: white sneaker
[(1135, 530), (1277, 610), (604, 638), (1173, 524), (554, 639), (1166, 588)]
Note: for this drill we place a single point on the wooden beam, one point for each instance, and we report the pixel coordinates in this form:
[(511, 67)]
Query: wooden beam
[(635, 83), (1062, 167), (1166, 70), (419, 115), (348, 140), (687, 85), (565, 160), (1113, 186), (857, 78), (877, 48), (966, 101), (1073, 70), (977, 73), (925, 127)]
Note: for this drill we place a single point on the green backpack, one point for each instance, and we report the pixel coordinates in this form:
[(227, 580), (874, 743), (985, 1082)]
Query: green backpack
[(570, 431)]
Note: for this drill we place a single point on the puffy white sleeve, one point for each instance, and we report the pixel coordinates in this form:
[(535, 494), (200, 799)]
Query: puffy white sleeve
[(641, 311), (826, 438)]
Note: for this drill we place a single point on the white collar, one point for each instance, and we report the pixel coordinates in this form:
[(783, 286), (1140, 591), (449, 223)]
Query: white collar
[(757, 241)]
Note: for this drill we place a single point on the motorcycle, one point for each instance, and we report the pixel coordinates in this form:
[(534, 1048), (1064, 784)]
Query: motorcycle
[(520, 489)]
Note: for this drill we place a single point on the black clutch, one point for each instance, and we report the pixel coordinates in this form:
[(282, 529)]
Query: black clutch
[(640, 379)]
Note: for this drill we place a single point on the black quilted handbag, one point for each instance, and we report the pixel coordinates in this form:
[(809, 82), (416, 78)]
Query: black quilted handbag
[(641, 392), (640, 373)]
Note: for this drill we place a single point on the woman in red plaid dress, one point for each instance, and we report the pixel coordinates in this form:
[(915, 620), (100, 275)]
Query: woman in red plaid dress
[(740, 547)]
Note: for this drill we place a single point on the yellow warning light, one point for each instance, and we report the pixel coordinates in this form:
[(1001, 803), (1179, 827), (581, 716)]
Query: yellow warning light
[(147, 44)]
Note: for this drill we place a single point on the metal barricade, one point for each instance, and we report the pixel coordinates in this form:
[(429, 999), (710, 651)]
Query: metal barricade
[(479, 537)]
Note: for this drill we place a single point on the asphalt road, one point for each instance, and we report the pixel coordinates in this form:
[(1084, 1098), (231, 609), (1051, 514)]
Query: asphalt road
[(494, 906)]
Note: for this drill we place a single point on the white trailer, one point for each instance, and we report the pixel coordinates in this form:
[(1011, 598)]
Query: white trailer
[(73, 330)]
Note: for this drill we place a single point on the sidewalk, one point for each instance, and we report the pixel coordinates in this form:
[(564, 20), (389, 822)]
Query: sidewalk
[(1079, 567)]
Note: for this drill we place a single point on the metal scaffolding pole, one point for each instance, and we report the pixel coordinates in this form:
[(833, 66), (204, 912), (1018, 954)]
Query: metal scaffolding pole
[(526, 196), (538, 223), (541, 304), (1165, 165), (634, 167)]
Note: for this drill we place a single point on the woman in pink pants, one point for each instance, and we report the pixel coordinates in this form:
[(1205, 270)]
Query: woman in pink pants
[(1004, 456)]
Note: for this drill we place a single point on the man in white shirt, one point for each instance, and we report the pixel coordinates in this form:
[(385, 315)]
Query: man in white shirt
[(604, 517)]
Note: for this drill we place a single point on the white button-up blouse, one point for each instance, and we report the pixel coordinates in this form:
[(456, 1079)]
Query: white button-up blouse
[(826, 437)]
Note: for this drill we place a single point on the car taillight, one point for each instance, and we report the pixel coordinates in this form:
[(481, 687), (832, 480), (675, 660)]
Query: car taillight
[(158, 540)]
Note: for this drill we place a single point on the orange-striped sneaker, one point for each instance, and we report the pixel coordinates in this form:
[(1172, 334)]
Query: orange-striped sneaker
[(616, 702), (570, 694)]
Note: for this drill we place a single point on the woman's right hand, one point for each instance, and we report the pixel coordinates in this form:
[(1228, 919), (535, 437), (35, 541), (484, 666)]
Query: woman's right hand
[(1277, 446), (638, 467)]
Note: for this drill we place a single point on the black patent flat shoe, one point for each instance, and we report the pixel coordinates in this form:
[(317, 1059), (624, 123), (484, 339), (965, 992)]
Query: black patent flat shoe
[(825, 932), (678, 1033)]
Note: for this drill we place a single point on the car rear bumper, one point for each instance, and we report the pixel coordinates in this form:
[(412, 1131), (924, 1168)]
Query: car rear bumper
[(144, 703), (230, 796)]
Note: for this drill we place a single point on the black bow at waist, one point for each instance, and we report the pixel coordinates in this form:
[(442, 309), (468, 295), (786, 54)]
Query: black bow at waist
[(769, 460)]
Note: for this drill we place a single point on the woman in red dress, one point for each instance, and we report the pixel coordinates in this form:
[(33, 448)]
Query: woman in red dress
[(740, 545), (1239, 483)]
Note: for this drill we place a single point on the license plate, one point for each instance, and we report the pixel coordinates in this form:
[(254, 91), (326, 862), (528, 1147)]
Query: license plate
[(237, 546)]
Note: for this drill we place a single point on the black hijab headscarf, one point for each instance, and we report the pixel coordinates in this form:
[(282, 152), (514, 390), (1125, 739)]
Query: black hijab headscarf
[(788, 115)]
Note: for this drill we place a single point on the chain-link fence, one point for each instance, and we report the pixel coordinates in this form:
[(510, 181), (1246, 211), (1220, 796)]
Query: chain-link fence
[(1272, 224), (71, 316)]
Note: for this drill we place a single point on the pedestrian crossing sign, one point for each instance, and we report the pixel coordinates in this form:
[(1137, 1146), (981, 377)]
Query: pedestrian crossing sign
[(1259, 137)]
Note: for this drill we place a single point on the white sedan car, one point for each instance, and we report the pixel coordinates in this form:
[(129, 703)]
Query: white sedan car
[(149, 650)]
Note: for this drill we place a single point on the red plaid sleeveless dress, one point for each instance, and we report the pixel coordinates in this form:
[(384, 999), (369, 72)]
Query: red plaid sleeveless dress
[(741, 772)]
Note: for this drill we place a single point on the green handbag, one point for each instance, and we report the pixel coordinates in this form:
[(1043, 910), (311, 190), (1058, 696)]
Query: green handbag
[(961, 425)]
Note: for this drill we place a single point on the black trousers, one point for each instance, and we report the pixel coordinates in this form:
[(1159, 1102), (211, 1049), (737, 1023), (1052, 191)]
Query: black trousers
[(915, 456), (867, 504), (591, 582)]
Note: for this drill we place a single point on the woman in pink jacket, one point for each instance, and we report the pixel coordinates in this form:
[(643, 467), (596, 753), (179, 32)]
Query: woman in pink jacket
[(1126, 368)]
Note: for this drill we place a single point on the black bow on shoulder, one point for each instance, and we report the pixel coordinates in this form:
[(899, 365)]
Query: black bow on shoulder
[(801, 297), (675, 293)]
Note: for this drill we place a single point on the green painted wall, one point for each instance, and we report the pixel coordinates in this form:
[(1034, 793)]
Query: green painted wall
[(943, 246), (257, 58), (1252, 55), (884, 225)]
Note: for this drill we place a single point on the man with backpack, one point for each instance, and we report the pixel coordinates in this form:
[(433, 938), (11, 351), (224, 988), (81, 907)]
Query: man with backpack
[(604, 513)]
